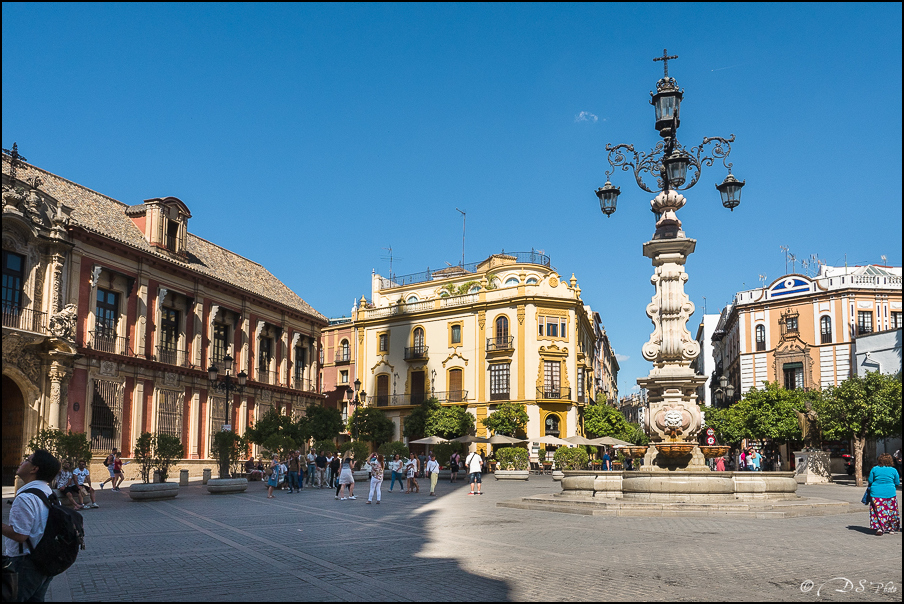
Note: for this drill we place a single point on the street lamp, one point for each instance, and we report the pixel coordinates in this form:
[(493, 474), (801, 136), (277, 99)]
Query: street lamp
[(226, 385), (357, 389), (674, 416)]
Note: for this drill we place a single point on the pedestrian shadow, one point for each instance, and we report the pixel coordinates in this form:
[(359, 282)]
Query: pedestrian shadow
[(861, 529)]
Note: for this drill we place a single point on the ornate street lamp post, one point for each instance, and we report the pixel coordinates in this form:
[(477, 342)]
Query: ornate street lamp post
[(227, 385), (674, 416)]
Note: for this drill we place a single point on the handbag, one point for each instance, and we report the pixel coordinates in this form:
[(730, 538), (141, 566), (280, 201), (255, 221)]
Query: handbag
[(866, 498), (10, 581)]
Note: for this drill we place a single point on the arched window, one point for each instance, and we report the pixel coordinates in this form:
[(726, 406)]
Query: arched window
[(411, 299), (502, 332), (474, 289), (552, 425), (825, 329), (512, 281), (343, 351), (761, 337), (532, 281), (418, 338), (456, 395)]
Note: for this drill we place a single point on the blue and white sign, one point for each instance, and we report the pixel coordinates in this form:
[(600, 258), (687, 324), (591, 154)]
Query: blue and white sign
[(789, 286)]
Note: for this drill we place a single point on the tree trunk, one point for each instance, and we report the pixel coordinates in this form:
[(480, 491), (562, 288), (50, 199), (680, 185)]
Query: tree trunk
[(858, 442), (224, 469)]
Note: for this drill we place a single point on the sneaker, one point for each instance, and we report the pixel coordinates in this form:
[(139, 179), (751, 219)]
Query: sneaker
[(352, 497), (94, 505), (471, 493), (101, 486), (116, 490), (480, 492), (337, 496), (343, 499), (879, 532), (368, 502)]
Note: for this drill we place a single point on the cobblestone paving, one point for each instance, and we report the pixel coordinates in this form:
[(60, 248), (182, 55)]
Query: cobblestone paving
[(310, 547)]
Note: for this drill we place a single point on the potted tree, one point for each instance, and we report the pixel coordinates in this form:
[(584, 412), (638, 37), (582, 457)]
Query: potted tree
[(569, 459), (513, 464), (229, 448), (155, 452)]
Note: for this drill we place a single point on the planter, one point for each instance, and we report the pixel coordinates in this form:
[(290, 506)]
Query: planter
[(638, 451), (512, 474), (154, 491), (361, 475), (558, 475), (227, 485), (714, 451)]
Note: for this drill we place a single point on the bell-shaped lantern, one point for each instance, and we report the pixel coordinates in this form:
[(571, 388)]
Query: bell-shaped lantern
[(242, 378), (730, 189), (667, 104), (608, 195), (676, 168), (212, 372)]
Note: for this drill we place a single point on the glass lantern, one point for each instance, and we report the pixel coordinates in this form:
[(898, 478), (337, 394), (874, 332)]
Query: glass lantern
[(608, 196), (730, 189)]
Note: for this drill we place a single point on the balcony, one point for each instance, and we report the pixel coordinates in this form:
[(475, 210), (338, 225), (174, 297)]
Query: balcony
[(112, 344), (343, 356), (265, 376), (452, 396), (305, 385), (498, 344), (500, 396), (24, 319), (553, 393), (416, 353), (172, 356)]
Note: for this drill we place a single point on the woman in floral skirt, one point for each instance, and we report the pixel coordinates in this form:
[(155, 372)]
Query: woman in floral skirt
[(883, 506)]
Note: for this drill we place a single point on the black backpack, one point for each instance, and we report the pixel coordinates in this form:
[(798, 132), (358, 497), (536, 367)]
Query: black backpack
[(63, 537)]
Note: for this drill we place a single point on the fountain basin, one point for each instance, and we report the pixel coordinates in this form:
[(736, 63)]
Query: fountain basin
[(714, 450)]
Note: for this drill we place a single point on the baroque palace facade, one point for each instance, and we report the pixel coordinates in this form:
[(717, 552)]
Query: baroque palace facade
[(505, 329), (112, 314), (801, 331)]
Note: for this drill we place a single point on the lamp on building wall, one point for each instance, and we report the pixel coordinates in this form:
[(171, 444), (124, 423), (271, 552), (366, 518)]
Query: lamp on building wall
[(226, 384), (357, 390)]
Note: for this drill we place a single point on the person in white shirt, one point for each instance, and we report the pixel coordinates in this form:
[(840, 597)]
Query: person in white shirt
[(395, 467), (27, 521), (474, 463), (433, 472), (411, 470), (83, 477)]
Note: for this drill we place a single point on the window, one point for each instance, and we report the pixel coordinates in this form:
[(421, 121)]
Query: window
[(172, 234), (511, 281), (383, 345), (455, 386), (502, 331), (418, 339), (825, 330), (343, 351), (864, 322), (343, 377), (456, 334), (169, 413), (499, 382), (382, 390), (552, 425), (218, 417), (220, 343), (532, 281), (474, 289), (761, 337), (106, 416), (299, 365), (411, 299), (580, 384), (106, 319), (13, 277), (551, 376), (794, 375), (791, 323), (553, 327), (169, 335), (264, 354), (895, 320)]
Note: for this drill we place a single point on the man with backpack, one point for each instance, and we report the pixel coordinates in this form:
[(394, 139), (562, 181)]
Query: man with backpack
[(28, 520)]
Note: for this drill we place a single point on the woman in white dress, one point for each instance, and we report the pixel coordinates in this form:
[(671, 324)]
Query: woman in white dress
[(346, 480), (376, 477)]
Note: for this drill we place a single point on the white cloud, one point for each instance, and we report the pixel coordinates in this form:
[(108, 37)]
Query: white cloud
[(585, 116), (621, 358)]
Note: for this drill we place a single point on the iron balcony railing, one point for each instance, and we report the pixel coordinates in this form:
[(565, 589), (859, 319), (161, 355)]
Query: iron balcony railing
[(501, 343), (343, 356), (451, 396), (416, 353), (554, 392), (304, 384), (531, 257), (265, 376), (172, 356), (104, 342), (24, 319), (500, 396), (401, 400)]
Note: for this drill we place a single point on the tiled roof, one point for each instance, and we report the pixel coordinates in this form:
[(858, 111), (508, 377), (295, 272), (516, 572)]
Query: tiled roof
[(107, 217)]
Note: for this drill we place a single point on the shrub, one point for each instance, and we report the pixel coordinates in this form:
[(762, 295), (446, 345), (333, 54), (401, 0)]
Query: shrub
[(388, 450), (323, 445), (167, 449), (445, 450), (279, 445), (359, 449), (229, 449), (70, 447), (571, 459), (144, 455), (513, 458)]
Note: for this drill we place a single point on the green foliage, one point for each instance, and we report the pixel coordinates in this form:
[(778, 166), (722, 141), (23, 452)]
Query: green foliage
[(433, 419), (603, 420), (359, 449), (167, 449), (323, 423), (726, 423), (389, 450), (601, 398), (144, 455), (71, 446), (571, 459), (508, 418), (324, 445), (229, 449), (279, 445), (292, 433), (513, 458), (770, 413), (445, 450), (416, 422), (371, 424)]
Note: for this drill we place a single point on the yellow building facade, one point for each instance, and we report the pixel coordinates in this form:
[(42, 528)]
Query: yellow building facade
[(508, 329), (799, 330)]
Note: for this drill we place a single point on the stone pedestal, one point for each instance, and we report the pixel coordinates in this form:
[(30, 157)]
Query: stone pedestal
[(812, 467), (183, 478), (205, 476)]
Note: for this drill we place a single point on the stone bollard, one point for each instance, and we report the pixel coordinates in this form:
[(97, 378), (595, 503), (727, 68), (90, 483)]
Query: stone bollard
[(183, 478), (206, 476), (157, 476)]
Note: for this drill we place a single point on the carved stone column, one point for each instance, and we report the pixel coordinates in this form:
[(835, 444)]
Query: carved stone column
[(58, 374)]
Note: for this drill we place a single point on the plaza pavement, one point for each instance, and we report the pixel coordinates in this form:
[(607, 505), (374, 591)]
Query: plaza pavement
[(310, 547)]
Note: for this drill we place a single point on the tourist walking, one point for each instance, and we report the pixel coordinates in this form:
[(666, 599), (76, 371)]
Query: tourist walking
[(346, 480), (884, 516), (395, 467), (330, 477), (108, 463), (27, 522), (334, 471), (272, 477), (294, 461), (118, 474), (376, 477), (607, 460), (433, 473), (474, 463), (454, 461), (312, 466), (720, 464), (411, 470)]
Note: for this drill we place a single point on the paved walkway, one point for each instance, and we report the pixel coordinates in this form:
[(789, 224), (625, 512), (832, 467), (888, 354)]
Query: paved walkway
[(308, 546)]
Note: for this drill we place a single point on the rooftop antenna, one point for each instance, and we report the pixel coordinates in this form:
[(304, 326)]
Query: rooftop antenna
[(463, 224), (704, 306), (784, 249), (884, 260), (762, 280), (389, 249)]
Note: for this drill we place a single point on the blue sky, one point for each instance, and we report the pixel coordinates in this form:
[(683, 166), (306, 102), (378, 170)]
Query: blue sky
[(309, 137)]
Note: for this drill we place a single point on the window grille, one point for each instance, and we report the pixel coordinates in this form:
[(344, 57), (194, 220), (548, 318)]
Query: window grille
[(217, 419), (169, 413), (106, 416)]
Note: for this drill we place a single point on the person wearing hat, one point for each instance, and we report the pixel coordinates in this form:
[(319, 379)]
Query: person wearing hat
[(433, 472)]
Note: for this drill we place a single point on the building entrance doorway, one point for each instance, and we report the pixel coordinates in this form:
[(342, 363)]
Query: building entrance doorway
[(13, 422)]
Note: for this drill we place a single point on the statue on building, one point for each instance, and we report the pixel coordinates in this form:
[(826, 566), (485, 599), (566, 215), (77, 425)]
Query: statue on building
[(809, 427), (62, 324)]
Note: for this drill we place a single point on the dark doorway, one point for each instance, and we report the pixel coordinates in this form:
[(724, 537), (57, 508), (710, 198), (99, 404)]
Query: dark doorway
[(13, 421)]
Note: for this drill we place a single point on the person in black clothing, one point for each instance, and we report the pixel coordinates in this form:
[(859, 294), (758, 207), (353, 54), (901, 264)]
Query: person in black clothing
[(334, 471), (320, 462)]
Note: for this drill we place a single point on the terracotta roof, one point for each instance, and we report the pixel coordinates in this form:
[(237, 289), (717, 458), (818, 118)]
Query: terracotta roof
[(108, 217)]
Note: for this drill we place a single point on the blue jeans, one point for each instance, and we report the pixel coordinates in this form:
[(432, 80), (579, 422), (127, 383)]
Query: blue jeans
[(32, 584), (293, 481), (396, 476), (311, 470)]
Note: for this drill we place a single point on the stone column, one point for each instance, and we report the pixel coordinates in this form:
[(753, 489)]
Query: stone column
[(58, 373)]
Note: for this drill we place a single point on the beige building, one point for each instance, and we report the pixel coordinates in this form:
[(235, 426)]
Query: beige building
[(505, 329), (800, 330)]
